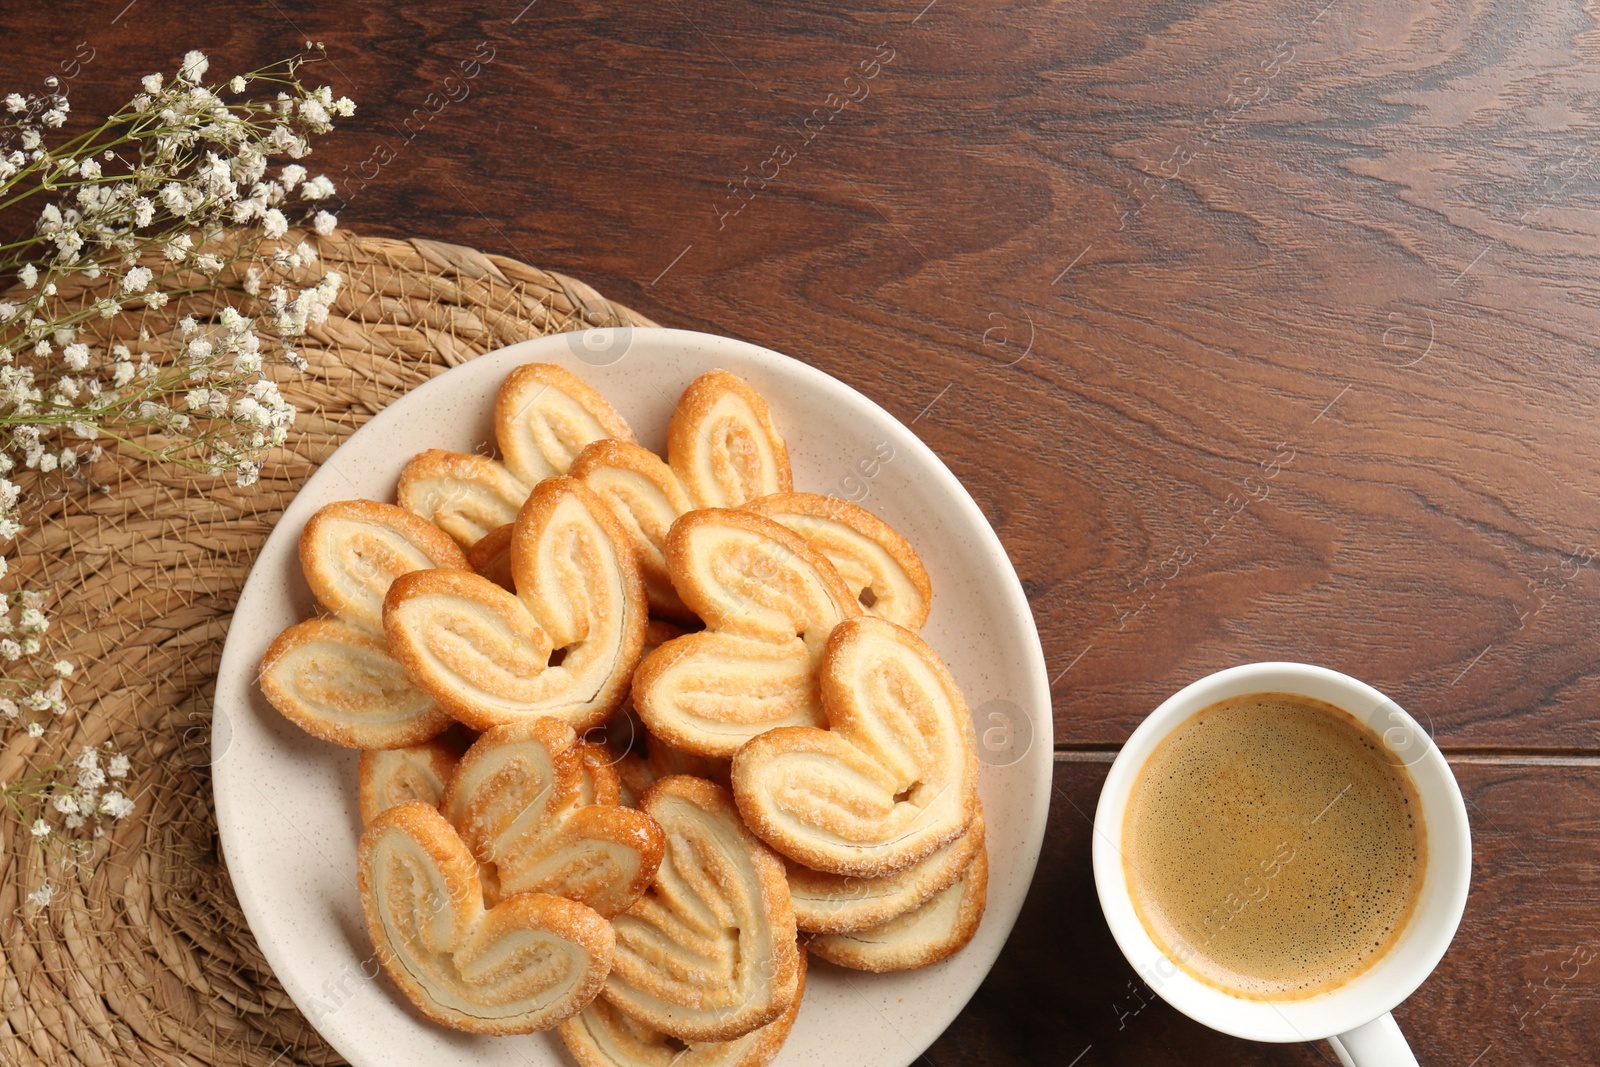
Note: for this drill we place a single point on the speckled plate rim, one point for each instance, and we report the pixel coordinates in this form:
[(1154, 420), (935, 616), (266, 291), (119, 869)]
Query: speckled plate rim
[(286, 806)]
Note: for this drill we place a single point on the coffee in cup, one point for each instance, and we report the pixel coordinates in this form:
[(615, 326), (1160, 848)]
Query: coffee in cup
[(1272, 847)]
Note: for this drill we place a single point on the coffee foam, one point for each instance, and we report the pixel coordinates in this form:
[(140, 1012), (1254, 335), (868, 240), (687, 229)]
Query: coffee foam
[(1271, 848)]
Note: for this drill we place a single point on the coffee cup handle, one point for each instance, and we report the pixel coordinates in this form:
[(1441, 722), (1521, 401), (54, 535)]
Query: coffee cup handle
[(1377, 1044)]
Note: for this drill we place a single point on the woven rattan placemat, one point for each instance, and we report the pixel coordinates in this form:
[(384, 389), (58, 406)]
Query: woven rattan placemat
[(148, 960)]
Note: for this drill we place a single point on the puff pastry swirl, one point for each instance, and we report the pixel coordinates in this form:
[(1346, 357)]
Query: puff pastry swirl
[(892, 779), (602, 1035), (564, 645), (543, 417), (334, 676), (935, 930), (517, 798), (390, 777), (523, 965), (769, 603), (708, 953)]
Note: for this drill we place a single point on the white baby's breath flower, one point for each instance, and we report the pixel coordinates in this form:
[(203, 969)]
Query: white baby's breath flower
[(41, 897), (40, 828), (319, 188), (116, 805), (195, 65), (274, 224), (121, 205)]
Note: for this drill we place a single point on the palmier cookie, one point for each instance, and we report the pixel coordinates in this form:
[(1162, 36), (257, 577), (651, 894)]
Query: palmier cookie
[(333, 676), (517, 800), (723, 450), (543, 417), (395, 776), (837, 903), (564, 645), (769, 602), (602, 1035), (893, 778), (935, 930), (646, 498), (878, 565), (523, 965), (708, 953), (723, 446)]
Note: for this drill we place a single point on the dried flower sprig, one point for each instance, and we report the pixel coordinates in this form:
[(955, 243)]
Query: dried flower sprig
[(188, 189)]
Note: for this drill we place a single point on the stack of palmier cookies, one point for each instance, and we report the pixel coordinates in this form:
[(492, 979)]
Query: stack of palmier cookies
[(790, 768)]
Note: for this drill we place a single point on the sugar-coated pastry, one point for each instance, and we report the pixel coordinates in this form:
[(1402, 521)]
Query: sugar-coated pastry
[(340, 684), (390, 777), (333, 676), (878, 565), (892, 779), (544, 416), (769, 603), (564, 645), (708, 954), (351, 550), (517, 798), (723, 446), (491, 556), (646, 498), (465, 494), (523, 965), (602, 1035), (840, 903), (934, 931)]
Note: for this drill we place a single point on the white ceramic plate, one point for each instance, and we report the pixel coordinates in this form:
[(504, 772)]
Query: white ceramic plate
[(286, 802)]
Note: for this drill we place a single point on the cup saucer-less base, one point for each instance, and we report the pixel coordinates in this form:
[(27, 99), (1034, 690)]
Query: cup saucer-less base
[(287, 806)]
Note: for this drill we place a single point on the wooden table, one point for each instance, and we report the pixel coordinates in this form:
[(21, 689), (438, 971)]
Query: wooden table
[(1258, 330)]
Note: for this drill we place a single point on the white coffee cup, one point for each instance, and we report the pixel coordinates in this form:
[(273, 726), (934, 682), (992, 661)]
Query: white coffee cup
[(1353, 1017)]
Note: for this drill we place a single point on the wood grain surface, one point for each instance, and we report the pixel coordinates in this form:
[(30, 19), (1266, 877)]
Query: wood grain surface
[(1259, 329)]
